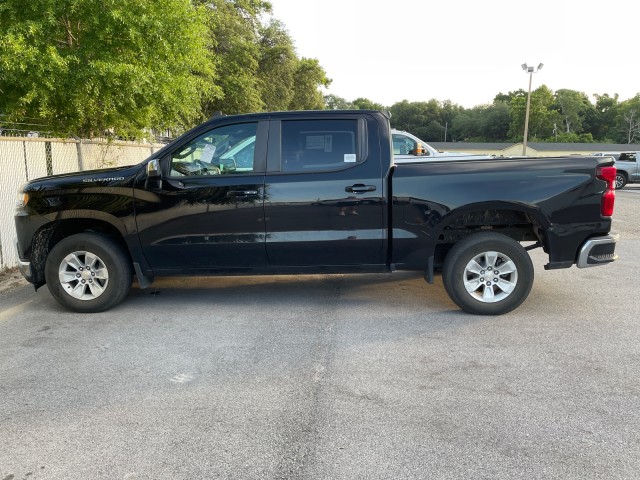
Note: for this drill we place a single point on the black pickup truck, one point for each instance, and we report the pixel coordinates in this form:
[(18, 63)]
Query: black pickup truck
[(313, 192)]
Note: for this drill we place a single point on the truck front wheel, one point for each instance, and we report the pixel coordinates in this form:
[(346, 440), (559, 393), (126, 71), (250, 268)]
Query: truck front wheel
[(88, 273), (488, 274)]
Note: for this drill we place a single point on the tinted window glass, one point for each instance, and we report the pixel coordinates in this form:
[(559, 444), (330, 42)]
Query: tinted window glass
[(309, 145), (221, 151)]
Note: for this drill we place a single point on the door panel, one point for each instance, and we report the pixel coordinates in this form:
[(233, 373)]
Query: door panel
[(325, 207), (207, 213)]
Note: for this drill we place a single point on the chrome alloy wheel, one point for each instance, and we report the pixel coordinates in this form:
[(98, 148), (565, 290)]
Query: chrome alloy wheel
[(83, 275), (490, 277)]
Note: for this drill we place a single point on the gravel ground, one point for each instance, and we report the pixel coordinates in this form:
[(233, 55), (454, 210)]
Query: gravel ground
[(10, 280)]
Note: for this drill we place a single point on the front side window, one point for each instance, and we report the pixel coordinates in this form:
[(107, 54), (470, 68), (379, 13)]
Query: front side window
[(221, 151), (316, 145)]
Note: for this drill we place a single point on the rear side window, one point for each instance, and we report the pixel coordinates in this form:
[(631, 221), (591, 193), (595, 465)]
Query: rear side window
[(315, 145)]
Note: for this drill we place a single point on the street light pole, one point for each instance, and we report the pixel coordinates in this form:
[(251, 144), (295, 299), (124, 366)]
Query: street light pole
[(530, 71)]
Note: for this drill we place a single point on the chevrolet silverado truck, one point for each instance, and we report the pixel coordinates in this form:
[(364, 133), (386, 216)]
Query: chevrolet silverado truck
[(312, 192)]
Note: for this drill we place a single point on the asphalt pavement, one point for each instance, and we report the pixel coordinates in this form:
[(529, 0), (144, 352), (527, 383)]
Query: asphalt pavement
[(328, 377)]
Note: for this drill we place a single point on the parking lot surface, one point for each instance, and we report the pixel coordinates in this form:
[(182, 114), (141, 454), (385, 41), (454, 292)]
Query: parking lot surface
[(328, 377)]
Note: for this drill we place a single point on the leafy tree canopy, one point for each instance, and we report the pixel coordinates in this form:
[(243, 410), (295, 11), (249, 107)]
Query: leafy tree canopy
[(90, 67), (334, 102), (628, 120), (572, 106), (86, 66), (366, 104), (233, 42), (277, 67), (306, 78), (258, 68)]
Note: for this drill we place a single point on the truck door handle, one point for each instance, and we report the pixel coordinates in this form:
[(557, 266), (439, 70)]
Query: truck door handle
[(360, 188), (241, 193)]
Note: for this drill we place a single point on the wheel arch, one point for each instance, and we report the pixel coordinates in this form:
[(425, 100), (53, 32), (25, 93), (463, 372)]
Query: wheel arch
[(47, 236), (521, 222)]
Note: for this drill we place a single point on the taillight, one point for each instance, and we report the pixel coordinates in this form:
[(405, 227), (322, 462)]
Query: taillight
[(608, 174)]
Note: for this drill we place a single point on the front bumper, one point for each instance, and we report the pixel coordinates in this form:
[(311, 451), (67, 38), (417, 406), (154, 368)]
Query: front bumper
[(598, 251), (25, 267)]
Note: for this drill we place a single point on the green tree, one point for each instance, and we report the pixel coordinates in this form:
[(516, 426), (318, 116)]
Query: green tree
[(277, 66), (495, 120), (434, 131), (309, 76), (542, 119), (628, 120), (417, 118), (572, 138), (87, 66), (448, 111), (600, 120), (484, 123), (234, 42), (334, 102), (465, 126), (410, 116), (573, 106), (507, 97), (366, 104), (257, 63)]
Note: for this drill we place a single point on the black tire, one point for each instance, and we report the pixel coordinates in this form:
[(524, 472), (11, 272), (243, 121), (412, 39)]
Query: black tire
[(621, 180), (88, 273), (489, 250)]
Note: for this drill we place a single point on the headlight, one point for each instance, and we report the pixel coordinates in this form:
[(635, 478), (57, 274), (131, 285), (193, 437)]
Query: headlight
[(22, 200)]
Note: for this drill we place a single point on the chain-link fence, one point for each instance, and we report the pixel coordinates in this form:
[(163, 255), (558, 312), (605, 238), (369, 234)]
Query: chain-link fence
[(26, 158)]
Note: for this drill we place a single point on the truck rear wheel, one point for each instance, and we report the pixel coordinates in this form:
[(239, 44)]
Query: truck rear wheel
[(88, 273), (488, 274)]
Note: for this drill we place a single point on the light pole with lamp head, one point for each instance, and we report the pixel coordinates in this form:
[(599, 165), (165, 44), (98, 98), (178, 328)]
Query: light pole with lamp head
[(530, 71)]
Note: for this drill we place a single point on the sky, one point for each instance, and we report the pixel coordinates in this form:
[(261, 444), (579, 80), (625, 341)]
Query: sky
[(466, 51)]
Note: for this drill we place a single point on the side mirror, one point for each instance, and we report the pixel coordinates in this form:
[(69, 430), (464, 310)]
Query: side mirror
[(154, 175), (419, 151), (153, 169)]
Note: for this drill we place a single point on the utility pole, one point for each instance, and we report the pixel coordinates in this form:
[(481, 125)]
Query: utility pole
[(530, 71)]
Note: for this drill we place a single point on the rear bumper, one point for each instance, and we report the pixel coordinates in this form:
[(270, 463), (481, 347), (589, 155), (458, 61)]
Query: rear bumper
[(598, 251)]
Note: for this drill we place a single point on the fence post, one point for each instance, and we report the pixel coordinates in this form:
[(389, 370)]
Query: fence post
[(80, 157), (49, 157), (26, 165)]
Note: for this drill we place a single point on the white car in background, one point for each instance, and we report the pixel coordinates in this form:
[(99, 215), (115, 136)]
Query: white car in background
[(408, 148), (627, 165)]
